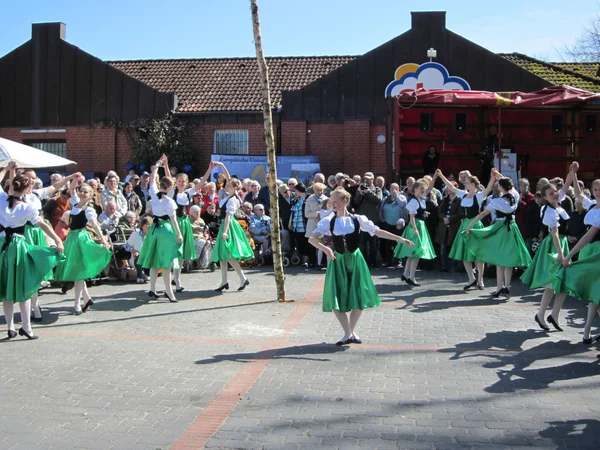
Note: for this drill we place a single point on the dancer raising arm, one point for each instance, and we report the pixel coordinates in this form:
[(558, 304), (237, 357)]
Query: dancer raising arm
[(416, 232), (348, 283), (470, 203), (232, 244), (22, 266), (500, 244), (162, 245), (581, 278), (542, 271), (183, 199), (83, 257)]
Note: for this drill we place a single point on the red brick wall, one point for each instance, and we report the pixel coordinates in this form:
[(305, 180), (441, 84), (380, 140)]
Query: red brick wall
[(92, 148), (293, 138)]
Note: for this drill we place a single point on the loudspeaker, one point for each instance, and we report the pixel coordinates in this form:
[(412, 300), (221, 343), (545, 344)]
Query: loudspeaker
[(590, 123), (460, 123), (426, 121), (557, 124)]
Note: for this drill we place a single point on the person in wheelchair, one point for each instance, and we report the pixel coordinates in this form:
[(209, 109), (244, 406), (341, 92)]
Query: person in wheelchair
[(260, 228)]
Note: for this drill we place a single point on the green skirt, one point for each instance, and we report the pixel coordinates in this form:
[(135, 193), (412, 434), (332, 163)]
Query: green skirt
[(499, 245), (160, 247), (23, 267), (348, 284), (542, 271), (83, 257), (188, 247), (423, 247), (35, 236), (460, 251), (236, 246), (581, 278)]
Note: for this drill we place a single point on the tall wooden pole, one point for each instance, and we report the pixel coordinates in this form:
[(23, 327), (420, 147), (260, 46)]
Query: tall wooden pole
[(271, 157)]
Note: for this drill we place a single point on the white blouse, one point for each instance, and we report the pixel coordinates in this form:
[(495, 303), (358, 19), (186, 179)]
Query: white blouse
[(36, 200), (164, 206), (344, 225), (467, 202), (19, 215), (413, 205), (552, 216), (588, 203), (182, 199), (90, 213), (503, 205), (232, 205), (592, 218)]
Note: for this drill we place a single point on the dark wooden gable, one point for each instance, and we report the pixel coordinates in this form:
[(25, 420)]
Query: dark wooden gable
[(357, 89), (48, 82)]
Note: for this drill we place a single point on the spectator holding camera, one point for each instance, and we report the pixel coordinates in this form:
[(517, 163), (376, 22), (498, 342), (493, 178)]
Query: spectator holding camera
[(366, 200)]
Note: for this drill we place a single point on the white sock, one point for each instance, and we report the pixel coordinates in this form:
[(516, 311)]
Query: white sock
[(153, 277), (9, 309)]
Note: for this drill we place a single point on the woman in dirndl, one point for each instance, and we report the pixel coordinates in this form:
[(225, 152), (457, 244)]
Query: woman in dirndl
[(348, 287), (500, 244), (83, 257), (471, 199), (580, 279), (183, 200), (232, 245), (23, 266), (162, 245), (416, 232), (546, 262)]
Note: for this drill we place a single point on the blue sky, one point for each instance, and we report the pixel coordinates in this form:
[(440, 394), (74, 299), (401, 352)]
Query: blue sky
[(154, 29)]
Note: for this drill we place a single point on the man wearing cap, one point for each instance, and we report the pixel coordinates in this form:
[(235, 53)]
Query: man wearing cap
[(142, 190), (366, 201)]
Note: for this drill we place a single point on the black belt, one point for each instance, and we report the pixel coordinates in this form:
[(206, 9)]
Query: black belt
[(10, 232), (157, 219), (508, 218)]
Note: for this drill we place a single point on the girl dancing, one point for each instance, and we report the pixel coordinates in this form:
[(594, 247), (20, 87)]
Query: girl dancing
[(416, 232), (84, 258), (232, 244), (162, 245), (500, 244), (349, 287), (23, 266)]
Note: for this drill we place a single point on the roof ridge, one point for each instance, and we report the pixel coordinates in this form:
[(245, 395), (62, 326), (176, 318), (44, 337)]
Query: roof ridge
[(234, 58), (556, 67)]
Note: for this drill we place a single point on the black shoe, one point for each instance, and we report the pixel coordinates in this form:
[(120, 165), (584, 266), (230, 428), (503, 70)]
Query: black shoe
[(87, 305), (355, 340), (22, 332), (173, 283), (172, 300), (78, 313), (590, 340), (498, 293), (553, 323), (180, 289), (153, 294), (470, 285), (544, 327), (406, 280), (412, 283), (220, 288), (38, 319), (243, 286), (12, 334), (481, 287), (346, 342), (506, 293)]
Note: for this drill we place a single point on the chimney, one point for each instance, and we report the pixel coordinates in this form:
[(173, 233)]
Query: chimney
[(45, 39), (428, 20)]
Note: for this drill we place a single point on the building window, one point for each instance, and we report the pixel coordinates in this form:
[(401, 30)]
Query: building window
[(57, 147), (231, 142)]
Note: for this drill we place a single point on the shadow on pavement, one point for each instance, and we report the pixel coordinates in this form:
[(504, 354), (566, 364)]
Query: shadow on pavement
[(583, 433), (294, 352)]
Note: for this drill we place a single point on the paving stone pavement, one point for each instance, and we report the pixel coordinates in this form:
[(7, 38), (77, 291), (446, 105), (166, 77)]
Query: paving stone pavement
[(438, 369)]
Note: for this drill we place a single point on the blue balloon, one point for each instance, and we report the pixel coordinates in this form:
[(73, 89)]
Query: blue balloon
[(130, 166), (187, 168), (142, 167)]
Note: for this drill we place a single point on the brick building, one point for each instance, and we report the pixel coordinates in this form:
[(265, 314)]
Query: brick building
[(55, 96)]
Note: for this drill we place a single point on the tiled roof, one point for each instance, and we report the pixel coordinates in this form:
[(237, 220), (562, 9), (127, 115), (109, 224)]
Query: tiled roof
[(228, 84), (579, 75)]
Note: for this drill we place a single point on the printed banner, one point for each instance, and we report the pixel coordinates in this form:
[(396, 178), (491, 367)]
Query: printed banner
[(303, 168)]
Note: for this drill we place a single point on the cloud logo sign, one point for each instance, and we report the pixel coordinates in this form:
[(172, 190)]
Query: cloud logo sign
[(429, 76)]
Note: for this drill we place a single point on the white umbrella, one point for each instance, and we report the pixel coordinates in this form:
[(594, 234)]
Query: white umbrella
[(27, 157)]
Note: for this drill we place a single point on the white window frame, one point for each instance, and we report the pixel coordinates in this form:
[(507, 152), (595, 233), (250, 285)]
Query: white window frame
[(230, 138)]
